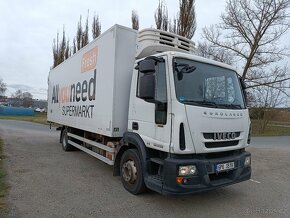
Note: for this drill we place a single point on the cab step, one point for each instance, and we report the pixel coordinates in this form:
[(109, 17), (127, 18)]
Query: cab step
[(157, 160)]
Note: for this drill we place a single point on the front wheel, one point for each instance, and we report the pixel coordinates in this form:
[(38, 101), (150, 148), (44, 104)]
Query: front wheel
[(131, 172)]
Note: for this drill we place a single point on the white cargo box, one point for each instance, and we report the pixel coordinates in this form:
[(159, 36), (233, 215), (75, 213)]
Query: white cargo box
[(90, 90)]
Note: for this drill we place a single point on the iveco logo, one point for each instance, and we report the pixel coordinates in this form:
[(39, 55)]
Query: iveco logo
[(224, 135)]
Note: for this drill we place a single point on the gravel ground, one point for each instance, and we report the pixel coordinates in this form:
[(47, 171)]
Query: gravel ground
[(48, 182)]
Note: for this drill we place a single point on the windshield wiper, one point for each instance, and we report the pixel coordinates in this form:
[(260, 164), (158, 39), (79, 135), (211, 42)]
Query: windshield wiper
[(204, 103), (187, 69), (233, 106), (212, 104)]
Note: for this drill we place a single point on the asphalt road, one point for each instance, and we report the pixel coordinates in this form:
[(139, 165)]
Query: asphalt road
[(271, 142), (48, 182)]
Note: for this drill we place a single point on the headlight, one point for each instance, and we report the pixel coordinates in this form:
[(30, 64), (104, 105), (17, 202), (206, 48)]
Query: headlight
[(247, 161), (187, 170)]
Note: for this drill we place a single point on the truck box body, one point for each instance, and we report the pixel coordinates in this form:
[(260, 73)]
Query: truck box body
[(91, 89)]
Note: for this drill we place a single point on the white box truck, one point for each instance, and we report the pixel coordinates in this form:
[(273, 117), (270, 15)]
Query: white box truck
[(164, 118)]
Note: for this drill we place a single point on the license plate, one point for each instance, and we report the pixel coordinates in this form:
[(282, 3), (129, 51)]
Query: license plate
[(224, 166)]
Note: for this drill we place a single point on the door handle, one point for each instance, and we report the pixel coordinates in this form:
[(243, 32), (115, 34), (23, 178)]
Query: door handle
[(135, 126)]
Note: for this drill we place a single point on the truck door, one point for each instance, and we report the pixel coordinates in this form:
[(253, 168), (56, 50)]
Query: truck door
[(151, 111)]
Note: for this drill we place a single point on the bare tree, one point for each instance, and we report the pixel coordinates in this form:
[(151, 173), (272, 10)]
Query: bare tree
[(60, 49), (165, 21), (267, 98), (18, 94), (250, 31), (85, 34), (24, 99), (158, 15), (135, 20), (161, 16), (173, 25), (3, 87), (96, 27), (82, 35), (183, 24), (216, 53), (79, 34), (27, 95), (67, 52), (55, 51), (74, 49), (27, 99), (187, 19)]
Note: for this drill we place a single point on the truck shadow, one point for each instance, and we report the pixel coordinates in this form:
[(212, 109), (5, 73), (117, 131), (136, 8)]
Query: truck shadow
[(225, 194)]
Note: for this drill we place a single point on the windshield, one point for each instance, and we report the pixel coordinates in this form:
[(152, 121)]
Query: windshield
[(206, 85)]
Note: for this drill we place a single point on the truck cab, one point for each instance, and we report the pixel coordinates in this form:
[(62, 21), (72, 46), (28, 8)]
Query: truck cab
[(191, 114)]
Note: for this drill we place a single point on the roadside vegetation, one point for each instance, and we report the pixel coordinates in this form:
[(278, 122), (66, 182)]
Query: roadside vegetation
[(37, 118), (3, 185), (270, 122), (272, 129)]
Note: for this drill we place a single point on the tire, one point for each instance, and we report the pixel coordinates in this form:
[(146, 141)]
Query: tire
[(131, 172), (64, 142)]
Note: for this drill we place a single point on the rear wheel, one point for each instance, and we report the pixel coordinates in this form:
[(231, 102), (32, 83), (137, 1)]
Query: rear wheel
[(131, 172), (64, 141)]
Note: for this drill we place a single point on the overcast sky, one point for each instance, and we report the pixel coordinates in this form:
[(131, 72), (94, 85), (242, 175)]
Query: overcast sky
[(28, 28)]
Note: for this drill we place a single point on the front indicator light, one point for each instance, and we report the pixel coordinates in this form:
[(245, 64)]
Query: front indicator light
[(247, 161), (179, 180), (187, 170)]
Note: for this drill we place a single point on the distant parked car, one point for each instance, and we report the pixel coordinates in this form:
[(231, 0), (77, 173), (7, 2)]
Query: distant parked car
[(39, 110)]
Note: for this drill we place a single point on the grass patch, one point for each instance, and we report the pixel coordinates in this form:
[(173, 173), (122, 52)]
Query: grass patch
[(3, 185), (37, 118), (272, 129)]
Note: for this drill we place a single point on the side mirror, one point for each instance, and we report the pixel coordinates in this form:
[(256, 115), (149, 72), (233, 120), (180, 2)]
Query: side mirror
[(147, 87), (244, 87), (147, 66), (243, 84)]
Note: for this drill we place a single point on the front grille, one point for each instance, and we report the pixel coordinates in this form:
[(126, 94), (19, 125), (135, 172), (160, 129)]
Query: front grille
[(221, 144), (223, 154)]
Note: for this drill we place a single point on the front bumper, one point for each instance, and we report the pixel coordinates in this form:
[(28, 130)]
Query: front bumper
[(206, 179)]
